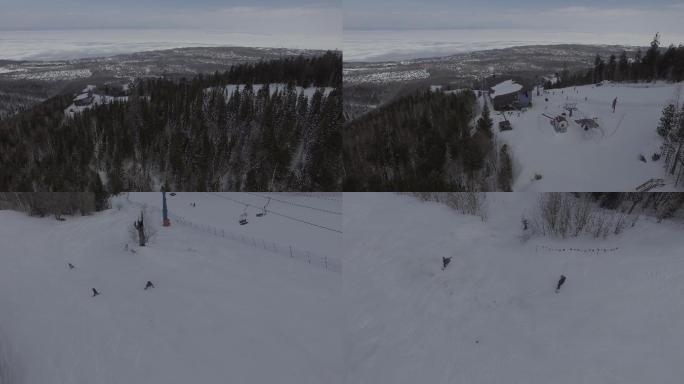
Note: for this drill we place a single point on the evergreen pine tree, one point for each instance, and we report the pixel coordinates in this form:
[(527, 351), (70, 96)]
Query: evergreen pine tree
[(651, 58), (623, 67), (611, 68), (667, 120), (505, 175), (485, 123)]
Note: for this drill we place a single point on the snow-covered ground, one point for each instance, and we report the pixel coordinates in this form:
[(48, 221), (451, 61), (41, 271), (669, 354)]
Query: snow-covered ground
[(386, 77), (221, 310), (492, 316), (603, 159), (10, 70), (61, 74)]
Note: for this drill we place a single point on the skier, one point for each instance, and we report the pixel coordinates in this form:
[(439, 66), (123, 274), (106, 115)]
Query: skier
[(445, 262), (614, 103), (561, 281), (149, 285), (95, 292), (71, 266)]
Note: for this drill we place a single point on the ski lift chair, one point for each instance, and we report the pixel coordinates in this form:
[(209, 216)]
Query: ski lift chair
[(263, 210), (243, 218)]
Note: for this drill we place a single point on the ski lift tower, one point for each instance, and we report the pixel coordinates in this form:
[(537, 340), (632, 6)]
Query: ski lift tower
[(165, 211), (570, 107), (484, 79)]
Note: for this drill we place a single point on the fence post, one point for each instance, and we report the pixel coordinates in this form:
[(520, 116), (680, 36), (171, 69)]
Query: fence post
[(291, 251)]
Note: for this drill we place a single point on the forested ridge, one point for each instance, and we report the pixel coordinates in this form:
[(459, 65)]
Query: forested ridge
[(656, 63), (188, 134), (422, 142)]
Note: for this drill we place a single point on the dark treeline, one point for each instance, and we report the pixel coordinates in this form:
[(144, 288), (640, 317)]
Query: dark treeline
[(319, 71), (53, 203), (187, 134), (663, 205), (655, 64), (422, 142)]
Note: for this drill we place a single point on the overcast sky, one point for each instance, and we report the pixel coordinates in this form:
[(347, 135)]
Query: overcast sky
[(602, 16), (245, 16)]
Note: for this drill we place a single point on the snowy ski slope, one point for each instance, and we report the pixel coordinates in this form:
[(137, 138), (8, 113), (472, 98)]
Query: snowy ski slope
[(603, 159), (221, 311), (492, 316)]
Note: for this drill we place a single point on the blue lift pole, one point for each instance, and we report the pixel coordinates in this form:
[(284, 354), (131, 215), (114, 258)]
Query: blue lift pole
[(167, 222)]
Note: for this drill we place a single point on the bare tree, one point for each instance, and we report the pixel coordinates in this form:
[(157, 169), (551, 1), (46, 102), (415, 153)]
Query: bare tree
[(139, 225), (143, 228)]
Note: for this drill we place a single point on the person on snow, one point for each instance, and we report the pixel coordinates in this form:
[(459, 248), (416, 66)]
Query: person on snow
[(614, 103), (71, 266), (95, 292), (149, 285), (445, 262), (561, 281)]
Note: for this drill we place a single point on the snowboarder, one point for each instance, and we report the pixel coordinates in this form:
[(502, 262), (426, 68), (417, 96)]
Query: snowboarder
[(614, 103), (149, 285), (445, 262), (95, 292), (71, 266), (561, 281)]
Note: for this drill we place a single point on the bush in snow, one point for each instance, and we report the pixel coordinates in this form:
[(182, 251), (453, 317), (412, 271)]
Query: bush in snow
[(49, 203), (9, 368), (467, 203), (566, 215), (144, 228)]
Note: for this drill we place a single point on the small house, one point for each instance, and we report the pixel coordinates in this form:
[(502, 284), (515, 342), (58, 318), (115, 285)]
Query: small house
[(85, 101), (510, 95)]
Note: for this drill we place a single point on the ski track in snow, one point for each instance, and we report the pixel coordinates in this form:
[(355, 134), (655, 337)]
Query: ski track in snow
[(492, 316), (220, 312)]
